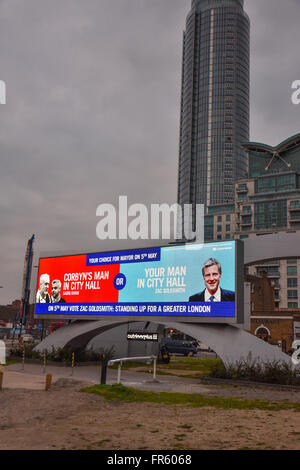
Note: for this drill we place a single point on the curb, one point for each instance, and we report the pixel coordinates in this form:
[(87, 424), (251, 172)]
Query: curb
[(53, 363), (245, 383)]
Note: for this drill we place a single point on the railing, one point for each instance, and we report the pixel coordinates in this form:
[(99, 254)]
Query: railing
[(127, 359)]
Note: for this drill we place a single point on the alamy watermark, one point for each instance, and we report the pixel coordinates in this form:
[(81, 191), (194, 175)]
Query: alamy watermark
[(2, 92), (296, 94), (296, 353), (160, 221)]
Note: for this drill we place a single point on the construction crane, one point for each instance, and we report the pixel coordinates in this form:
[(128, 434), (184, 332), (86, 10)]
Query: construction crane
[(24, 307)]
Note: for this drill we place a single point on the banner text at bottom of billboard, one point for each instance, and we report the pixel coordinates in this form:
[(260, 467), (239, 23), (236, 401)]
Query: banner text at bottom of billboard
[(184, 309)]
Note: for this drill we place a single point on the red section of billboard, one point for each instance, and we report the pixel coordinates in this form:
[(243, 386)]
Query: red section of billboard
[(69, 279)]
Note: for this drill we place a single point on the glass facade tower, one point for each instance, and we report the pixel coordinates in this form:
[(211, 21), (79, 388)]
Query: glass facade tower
[(214, 119)]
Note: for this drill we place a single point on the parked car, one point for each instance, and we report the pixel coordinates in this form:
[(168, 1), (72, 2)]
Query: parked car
[(26, 338), (179, 346)]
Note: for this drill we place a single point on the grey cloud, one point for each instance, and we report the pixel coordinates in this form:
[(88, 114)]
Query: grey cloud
[(93, 96)]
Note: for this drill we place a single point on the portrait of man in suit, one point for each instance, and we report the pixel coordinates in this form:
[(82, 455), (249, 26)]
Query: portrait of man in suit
[(56, 288), (42, 295), (212, 272)]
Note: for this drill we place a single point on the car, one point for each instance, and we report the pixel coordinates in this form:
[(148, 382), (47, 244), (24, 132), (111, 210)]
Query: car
[(26, 338), (179, 346)]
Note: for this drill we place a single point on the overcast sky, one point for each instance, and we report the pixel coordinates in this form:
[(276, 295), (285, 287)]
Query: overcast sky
[(93, 96)]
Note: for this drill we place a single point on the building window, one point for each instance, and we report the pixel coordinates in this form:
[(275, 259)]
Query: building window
[(291, 261), (270, 215), (292, 294), (263, 333), (219, 237), (265, 185), (291, 270), (227, 236), (292, 282), (242, 237), (219, 218), (246, 210), (242, 197), (295, 215), (247, 219), (274, 184), (292, 304), (219, 228), (295, 204), (285, 182), (227, 228), (227, 218), (209, 228), (270, 270)]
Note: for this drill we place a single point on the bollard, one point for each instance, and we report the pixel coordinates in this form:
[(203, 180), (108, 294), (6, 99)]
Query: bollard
[(154, 369), (44, 362), (48, 382), (73, 360), (23, 358), (103, 369), (1, 380)]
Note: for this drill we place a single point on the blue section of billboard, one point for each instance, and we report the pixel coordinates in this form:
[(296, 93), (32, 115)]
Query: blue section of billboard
[(178, 274), (121, 257), (185, 309)]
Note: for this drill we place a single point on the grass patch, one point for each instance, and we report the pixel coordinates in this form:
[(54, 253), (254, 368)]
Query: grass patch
[(9, 363), (202, 366), (129, 365), (118, 392), (199, 364)]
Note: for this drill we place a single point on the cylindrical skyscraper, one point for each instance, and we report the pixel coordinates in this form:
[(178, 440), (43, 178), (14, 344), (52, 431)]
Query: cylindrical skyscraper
[(214, 102)]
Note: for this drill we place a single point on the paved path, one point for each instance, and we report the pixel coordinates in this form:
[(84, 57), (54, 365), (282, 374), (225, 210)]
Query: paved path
[(33, 377)]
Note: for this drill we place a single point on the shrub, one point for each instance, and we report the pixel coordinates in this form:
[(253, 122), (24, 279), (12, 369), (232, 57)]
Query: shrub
[(255, 370), (64, 354)]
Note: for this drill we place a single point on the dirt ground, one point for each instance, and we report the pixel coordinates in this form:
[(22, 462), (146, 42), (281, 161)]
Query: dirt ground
[(65, 418)]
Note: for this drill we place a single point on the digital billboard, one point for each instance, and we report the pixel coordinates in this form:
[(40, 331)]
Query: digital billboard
[(191, 282)]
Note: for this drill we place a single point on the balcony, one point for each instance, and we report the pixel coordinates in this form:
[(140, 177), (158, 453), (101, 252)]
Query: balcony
[(268, 264), (246, 224), (271, 274), (294, 206), (242, 189), (295, 216), (246, 221)]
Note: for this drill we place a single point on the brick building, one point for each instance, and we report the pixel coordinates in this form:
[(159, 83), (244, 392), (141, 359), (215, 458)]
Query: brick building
[(279, 327)]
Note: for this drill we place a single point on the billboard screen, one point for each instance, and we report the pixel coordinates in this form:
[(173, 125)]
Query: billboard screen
[(192, 282)]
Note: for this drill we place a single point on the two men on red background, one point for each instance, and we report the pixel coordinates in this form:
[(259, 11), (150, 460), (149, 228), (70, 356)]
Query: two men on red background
[(43, 295)]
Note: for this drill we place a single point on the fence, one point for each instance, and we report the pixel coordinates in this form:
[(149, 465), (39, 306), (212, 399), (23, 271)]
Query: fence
[(127, 359)]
